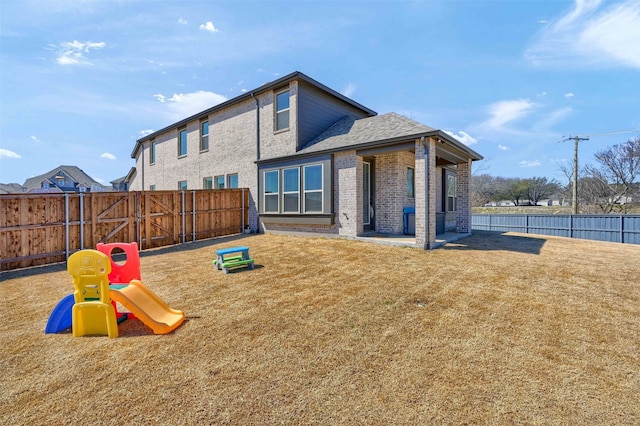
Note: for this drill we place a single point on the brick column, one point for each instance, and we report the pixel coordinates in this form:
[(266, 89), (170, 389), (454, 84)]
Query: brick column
[(463, 198), (425, 188), (348, 193)]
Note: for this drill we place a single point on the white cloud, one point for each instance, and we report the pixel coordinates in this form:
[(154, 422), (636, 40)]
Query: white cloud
[(543, 21), (503, 112), (34, 138), (108, 156), (542, 94), (533, 163), (552, 118), (182, 105), (463, 137), (182, 21), (145, 132), (569, 95), (72, 52), (349, 90), (592, 34), (209, 27), (503, 148), (5, 153)]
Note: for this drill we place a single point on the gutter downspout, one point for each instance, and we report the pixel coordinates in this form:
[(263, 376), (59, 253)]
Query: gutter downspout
[(257, 159)]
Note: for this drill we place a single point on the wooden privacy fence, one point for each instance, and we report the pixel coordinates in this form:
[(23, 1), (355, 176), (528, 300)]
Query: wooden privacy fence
[(38, 229)]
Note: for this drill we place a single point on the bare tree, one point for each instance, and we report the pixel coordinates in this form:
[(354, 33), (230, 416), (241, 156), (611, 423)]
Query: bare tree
[(612, 181), (539, 188)]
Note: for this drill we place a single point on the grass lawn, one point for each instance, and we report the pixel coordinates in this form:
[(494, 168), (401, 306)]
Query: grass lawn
[(493, 329)]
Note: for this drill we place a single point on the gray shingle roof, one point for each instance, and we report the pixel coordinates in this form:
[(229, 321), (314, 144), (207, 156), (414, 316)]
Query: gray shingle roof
[(74, 173), (349, 132)]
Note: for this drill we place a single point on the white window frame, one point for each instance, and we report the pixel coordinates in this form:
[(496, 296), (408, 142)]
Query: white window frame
[(305, 191), (279, 111), (204, 182), (180, 188), (186, 142), (285, 193), (204, 138), (152, 152), (271, 194), (217, 181), (229, 176)]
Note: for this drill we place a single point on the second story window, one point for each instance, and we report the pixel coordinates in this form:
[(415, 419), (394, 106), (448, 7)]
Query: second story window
[(282, 110), (232, 181), (219, 181), (152, 153), (182, 142), (204, 136)]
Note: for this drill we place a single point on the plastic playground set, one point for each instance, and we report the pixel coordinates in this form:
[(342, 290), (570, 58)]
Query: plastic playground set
[(100, 284)]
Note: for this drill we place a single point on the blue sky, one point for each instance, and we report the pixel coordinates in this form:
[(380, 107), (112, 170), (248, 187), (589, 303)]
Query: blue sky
[(82, 80)]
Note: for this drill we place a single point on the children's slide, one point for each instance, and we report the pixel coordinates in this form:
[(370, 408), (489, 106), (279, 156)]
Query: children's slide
[(148, 307), (60, 318)]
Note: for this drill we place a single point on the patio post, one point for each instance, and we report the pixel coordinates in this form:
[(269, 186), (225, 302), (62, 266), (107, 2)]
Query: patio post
[(425, 192)]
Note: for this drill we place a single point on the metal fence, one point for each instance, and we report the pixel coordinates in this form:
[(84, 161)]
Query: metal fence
[(612, 228)]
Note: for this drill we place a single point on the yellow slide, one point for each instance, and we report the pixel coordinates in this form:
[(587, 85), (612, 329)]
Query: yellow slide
[(147, 306)]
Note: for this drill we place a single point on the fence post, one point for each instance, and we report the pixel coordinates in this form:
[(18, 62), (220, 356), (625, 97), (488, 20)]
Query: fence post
[(526, 224), (490, 216), (193, 216), (242, 210), (81, 221), (183, 214), (621, 228), (66, 225), (570, 226)]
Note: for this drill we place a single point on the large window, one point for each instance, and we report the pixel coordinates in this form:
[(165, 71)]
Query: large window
[(282, 110), (204, 136), (313, 189), (182, 185), (182, 142), (271, 191), (291, 190), (207, 183), (152, 153), (411, 182), (232, 181)]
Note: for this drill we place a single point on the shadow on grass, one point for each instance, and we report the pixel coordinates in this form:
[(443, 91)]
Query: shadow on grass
[(493, 240), (62, 266)]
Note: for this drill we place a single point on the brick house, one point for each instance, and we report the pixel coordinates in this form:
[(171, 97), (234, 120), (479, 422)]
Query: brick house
[(315, 161), (63, 179)]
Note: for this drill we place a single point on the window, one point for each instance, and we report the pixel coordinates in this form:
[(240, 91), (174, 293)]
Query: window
[(152, 153), (271, 191), (59, 181), (219, 181), (182, 185), (182, 142), (282, 110), (82, 189), (313, 189), (232, 181), (451, 192), (152, 187), (204, 136), (207, 183), (411, 182), (291, 190)]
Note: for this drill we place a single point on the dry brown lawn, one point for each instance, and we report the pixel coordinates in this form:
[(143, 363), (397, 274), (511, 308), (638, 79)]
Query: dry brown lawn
[(494, 329)]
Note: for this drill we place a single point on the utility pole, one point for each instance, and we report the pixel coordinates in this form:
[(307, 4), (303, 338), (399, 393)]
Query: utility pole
[(574, 192)]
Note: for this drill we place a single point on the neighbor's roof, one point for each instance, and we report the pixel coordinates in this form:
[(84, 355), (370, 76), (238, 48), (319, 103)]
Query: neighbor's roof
[(11, 188), (73, 172), (350, 133), (296, 75)]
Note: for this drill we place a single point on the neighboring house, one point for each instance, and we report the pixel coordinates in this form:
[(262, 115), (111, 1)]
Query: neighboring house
[(122, 184), (63, 179), (315, 161), (11, 188)]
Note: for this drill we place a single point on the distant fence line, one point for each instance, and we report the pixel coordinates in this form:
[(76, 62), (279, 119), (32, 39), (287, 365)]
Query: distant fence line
[(612, 228), (38, 229)]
